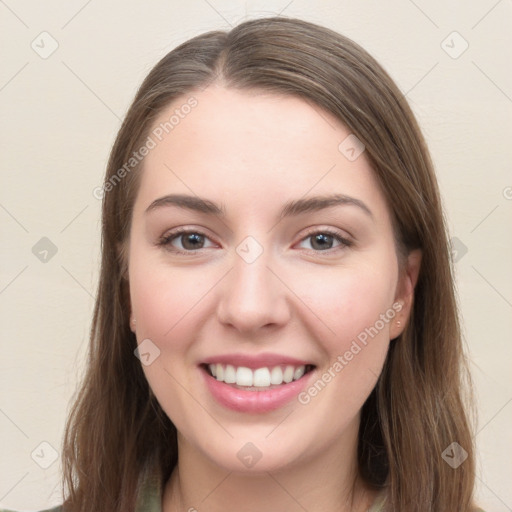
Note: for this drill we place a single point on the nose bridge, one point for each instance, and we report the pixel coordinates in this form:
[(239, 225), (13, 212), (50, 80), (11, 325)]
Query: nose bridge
[(252, 297)]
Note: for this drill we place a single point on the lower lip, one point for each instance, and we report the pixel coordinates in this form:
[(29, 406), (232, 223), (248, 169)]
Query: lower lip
[(254, 401)]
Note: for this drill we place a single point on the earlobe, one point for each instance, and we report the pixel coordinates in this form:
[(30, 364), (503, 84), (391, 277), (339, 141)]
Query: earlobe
[(133, 323), (405, 291)]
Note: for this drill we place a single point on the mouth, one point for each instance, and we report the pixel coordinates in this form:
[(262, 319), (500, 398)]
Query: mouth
[(264, 378), (255, 385)]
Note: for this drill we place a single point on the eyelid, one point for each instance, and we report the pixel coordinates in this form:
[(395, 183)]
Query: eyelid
[(165, 240), (336, 233)]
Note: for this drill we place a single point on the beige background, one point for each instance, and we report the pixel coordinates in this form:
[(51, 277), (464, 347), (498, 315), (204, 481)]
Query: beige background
[(59, 118)]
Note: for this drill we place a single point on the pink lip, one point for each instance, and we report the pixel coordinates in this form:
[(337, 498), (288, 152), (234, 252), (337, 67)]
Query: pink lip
[(256, 402), (256, 361)]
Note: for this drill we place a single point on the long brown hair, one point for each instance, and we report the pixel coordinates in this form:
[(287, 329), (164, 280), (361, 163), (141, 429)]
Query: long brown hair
[(117, 429)]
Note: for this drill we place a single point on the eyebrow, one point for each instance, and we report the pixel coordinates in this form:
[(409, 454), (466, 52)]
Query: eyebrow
[(291, 208)]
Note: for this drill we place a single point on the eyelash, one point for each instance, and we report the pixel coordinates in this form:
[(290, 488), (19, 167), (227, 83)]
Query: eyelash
[(165, 241)]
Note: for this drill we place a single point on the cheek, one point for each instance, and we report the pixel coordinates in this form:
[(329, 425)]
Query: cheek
[(350, 301), (165, 302), (162, 297), (357, 307)]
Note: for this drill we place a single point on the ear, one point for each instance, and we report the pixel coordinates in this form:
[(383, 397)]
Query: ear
[(133, 323), (404, 294)]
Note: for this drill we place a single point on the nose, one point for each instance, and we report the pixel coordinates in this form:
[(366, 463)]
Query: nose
[(252, 297)]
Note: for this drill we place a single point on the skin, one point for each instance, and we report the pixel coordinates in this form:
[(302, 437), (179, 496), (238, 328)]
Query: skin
[(251, 152)]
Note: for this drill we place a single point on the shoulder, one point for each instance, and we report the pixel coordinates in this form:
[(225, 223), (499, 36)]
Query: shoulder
[(378, 503), (148, 500), (380, 500)]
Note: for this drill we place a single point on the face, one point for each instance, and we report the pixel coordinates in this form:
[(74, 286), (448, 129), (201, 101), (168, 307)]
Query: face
[(263, 279)]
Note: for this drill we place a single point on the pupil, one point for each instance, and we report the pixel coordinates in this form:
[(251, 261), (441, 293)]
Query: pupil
[(322, 241), (192, 241)]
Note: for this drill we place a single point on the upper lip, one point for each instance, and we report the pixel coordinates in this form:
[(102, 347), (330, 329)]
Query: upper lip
[(256, 361)]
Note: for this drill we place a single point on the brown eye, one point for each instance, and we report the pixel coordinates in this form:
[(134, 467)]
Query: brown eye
[(324, 241), (184, 241), (191, 241)]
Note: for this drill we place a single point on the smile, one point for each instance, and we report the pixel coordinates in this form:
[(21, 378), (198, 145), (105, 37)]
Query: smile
[(259, 379), (255, 384)]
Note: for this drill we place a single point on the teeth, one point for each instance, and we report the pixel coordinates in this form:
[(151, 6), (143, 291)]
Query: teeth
[(276, 376), (243, 376), (288, 374), (230, 374), (261, 377), (299, 372)]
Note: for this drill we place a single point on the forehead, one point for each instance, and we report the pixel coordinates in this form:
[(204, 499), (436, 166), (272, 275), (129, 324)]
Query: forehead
[(250, 148)]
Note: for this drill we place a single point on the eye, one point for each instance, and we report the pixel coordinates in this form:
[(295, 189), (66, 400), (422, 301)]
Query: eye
[(324, 240), (185, 241)]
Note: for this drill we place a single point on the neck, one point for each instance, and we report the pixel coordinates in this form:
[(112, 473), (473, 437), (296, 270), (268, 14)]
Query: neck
[(324, 482)]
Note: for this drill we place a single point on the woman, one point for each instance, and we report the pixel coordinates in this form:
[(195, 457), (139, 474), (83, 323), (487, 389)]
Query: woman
[(275, 327)]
